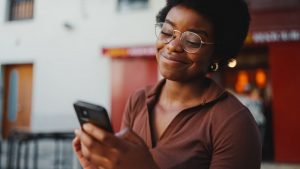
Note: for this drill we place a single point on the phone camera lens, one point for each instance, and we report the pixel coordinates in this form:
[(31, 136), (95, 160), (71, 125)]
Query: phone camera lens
[(85, 113)]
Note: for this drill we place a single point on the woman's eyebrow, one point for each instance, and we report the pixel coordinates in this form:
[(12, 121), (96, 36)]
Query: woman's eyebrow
[(170, 22)]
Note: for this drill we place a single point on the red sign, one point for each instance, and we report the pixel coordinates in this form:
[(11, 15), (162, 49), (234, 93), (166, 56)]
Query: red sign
[(273, 36), (144, 51)]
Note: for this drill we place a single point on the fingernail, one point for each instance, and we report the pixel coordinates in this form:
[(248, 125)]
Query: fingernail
[(122, 132), (85, 126), (77, 132)]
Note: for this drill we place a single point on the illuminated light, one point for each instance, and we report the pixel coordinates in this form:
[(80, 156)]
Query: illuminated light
[(232, 63), (260, 78), (242, 82)]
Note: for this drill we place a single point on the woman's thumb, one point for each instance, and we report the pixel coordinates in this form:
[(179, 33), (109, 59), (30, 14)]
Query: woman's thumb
[(128, 135)]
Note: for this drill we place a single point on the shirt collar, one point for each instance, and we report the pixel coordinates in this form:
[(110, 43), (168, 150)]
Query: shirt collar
[(213, 92)]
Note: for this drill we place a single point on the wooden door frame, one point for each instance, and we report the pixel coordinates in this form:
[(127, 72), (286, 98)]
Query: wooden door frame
[(27, 106)]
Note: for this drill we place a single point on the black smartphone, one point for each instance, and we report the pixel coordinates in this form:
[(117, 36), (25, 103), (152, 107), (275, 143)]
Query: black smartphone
[(91, 113)]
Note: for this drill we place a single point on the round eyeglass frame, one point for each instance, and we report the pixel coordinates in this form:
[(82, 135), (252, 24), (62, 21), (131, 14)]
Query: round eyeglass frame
[(159, 26)]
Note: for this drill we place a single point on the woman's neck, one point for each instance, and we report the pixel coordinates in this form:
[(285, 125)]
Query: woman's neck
[(183, 94)]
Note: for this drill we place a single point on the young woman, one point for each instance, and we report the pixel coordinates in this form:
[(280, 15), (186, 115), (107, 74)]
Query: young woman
[(186, 120)]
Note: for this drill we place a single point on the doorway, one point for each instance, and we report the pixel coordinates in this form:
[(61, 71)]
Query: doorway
[(128, 75), (17, 96)]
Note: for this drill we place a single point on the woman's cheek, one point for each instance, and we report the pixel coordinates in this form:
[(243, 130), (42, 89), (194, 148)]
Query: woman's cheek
[(159, 45)]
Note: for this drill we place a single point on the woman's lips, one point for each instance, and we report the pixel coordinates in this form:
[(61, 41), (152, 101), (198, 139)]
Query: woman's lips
[(173, 58)]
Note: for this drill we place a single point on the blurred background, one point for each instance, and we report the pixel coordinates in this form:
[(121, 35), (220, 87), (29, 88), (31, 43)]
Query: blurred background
[(55, 52)]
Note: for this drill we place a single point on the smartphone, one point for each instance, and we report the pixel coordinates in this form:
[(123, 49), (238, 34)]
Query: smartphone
[(91, 113)]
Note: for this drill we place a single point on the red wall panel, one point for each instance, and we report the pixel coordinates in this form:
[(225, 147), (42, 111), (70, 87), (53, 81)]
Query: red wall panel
[(285, 72), (128, 75)]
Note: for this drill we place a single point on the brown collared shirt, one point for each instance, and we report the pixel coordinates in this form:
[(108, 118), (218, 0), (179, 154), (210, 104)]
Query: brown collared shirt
[(219, 133)]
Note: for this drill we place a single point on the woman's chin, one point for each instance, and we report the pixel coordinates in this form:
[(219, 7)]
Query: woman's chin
[(169, 75), (178, 77)]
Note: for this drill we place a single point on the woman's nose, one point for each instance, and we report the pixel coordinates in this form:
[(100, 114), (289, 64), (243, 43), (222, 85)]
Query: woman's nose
[(175, 45)]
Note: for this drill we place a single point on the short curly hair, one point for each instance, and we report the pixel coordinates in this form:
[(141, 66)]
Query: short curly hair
[(230, 19)]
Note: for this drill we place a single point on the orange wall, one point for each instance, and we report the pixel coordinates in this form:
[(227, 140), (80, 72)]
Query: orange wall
[(285, 72)]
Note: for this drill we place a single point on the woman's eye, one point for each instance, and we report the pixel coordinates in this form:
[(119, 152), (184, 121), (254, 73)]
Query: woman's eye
[(166, 33), (191, 43)]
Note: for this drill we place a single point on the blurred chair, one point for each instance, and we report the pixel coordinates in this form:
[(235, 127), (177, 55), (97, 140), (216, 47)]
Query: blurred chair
[(24, 151)]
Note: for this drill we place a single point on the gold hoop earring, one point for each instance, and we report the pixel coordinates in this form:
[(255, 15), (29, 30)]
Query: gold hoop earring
[(214, 66)]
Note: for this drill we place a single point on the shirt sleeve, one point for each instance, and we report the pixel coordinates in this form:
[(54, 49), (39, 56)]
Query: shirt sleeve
[(126, 120), (236, 142)]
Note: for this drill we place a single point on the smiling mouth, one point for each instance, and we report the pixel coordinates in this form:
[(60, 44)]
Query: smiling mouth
[(174, 59)]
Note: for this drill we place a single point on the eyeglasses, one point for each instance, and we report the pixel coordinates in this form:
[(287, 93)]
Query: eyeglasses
[(190, 41)]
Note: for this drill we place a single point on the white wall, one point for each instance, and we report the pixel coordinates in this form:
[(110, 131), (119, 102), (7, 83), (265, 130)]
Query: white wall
[(67, 63)]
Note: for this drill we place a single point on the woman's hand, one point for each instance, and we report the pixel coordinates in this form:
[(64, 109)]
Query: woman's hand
[(125, 150), (83, 161)]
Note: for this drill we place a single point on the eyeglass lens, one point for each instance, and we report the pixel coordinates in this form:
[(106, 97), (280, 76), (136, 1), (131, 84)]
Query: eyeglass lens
[(190, 41)]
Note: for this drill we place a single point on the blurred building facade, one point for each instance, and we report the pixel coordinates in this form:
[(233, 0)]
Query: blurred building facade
[(275, 33), (100, 51), (61, 43)]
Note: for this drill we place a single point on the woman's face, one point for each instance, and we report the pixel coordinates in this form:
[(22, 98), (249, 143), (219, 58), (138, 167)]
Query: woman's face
[(174, 62)]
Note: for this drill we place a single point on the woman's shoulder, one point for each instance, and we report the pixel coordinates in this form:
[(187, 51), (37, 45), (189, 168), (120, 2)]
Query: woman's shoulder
[(230, 105), (233, 132), (221, 101), (230, 111)]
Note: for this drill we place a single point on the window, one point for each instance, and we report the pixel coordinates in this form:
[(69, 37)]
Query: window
[(129, 5), (20, 10)]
